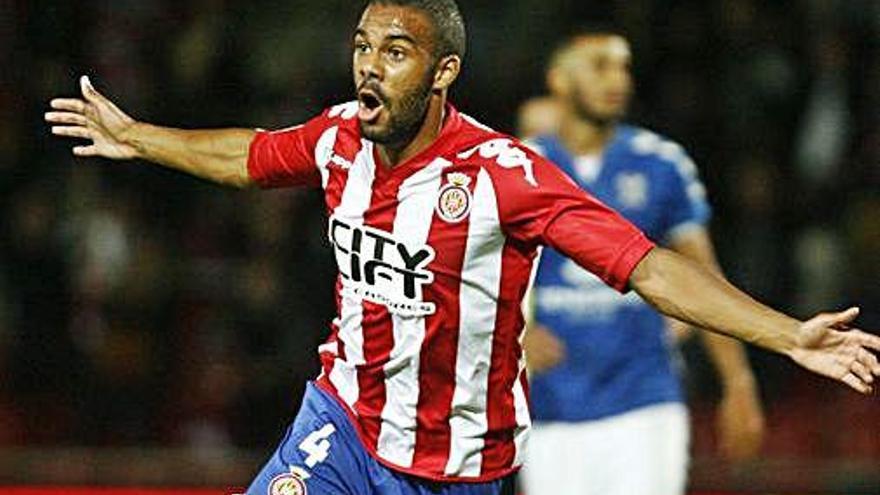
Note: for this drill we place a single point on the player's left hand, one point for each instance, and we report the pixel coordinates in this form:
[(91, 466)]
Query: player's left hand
[(740, 421), (827, 346), (543, 349)]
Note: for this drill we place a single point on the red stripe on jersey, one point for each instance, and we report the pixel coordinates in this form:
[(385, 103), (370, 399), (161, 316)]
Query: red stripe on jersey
[(499, 450), (335, 186), (377, 326), (440, 348)]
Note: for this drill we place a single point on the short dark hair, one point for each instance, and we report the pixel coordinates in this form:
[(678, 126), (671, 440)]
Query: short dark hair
[(450, 36), (578, 32)]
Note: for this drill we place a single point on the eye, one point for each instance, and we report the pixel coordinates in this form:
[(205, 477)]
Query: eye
[(396, 54), (361, 47)]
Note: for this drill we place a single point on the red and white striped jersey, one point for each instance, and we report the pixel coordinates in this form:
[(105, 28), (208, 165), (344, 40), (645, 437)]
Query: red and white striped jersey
[(434, 256)]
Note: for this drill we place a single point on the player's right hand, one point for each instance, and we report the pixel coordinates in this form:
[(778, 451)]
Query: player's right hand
[(94, 118), (543, 349)]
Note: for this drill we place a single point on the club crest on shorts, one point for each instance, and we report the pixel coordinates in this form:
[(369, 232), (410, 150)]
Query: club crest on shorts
[(454, 201), (288, 484)]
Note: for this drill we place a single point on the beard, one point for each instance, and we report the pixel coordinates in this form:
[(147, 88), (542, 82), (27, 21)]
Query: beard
[(585, 111), (405, 117)]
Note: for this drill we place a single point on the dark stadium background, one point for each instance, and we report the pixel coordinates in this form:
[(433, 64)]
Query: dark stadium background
[(155, 330)]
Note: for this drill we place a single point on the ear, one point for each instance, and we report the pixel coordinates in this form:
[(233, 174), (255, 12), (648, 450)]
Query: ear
[(558, 82), (446, 72)]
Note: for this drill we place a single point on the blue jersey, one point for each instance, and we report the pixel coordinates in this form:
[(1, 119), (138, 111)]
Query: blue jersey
[(618, 355)]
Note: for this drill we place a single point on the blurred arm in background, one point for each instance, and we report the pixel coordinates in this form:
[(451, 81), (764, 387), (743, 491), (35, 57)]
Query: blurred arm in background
[(740, 419), (216, 155)]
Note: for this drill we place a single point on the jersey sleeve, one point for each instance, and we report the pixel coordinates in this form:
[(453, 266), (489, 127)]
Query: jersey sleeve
[(286, 157), (538, 203), (685, 202)]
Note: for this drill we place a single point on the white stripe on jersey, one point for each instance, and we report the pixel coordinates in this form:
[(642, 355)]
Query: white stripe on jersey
[(478, 296), (324, 153), (520, 402), (397, 436), (355, 202), (523, 417)]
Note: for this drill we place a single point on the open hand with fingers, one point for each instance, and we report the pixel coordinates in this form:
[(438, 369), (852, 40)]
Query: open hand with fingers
[(95, 118), (829, 347)]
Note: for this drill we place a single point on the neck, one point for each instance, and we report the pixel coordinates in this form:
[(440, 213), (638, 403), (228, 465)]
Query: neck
[(583, 136), (393, 155)]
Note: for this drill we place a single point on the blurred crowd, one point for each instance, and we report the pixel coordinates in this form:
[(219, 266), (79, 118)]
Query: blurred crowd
[(142, 307)]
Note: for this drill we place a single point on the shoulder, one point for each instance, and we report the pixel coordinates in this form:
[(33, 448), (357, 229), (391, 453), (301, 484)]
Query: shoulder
[(545, 145), (340, 116), (657, 151), (330, 120), (336, 118), (343, 111)]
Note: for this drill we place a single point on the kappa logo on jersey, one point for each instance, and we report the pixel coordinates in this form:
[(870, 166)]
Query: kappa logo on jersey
[(454, 201), (381, 269), (325, 154), (505, 154), (288, 484)]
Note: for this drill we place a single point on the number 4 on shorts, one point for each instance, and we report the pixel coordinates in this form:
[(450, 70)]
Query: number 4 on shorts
[(316, 445)]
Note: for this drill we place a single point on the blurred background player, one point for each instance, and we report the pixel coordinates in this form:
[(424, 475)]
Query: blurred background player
[(538, 116), (606, 394)]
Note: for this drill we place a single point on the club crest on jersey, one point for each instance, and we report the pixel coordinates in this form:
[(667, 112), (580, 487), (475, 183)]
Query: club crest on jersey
[(632, 190), (454, 201), (288, 484)]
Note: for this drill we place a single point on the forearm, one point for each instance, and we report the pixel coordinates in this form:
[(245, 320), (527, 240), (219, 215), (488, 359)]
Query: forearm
[(683, 289), (729, 358), (216, 155), (728, 355)]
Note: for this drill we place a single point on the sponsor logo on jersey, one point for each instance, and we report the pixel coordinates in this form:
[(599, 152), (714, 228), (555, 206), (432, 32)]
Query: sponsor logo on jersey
[(454, 201), (377, 267), (288, 484)]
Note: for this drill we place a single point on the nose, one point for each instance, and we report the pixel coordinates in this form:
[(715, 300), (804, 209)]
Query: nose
[(369, 66)]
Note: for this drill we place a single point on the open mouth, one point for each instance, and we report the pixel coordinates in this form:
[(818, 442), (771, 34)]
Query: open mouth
[(370, 105)]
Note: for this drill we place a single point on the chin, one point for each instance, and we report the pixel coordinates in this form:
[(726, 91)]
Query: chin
[(377, 137), (373, 132), (617, 111)]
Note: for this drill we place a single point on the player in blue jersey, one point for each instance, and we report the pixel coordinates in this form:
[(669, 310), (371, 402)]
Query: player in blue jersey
[(606, 394)]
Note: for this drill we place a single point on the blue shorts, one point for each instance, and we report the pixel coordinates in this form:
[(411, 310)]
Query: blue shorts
[(321, 454)]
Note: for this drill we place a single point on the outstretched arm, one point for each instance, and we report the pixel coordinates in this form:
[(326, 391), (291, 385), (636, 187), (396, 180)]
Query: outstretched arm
[(682, 289), (216, 155)]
